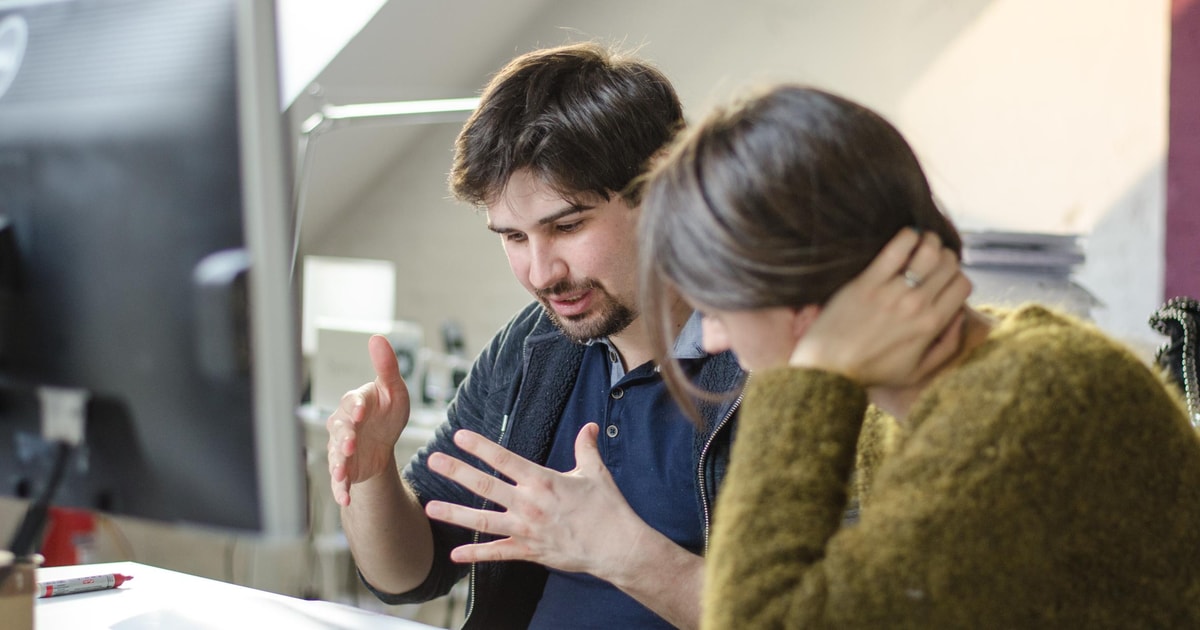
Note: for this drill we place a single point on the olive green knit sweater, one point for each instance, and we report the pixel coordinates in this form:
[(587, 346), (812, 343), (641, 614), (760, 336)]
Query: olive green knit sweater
[(1049, 481)]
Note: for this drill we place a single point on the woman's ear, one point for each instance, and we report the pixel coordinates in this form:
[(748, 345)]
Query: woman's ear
[(803, 318)]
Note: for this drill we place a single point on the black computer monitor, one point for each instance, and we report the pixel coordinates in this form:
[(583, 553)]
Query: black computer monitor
[(144, 261)]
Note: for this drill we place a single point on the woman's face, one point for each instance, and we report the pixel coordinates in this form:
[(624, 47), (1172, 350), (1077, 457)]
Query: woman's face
[(760, 338)]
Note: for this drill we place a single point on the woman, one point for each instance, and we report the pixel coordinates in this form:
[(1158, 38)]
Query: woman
[(1036, 474)]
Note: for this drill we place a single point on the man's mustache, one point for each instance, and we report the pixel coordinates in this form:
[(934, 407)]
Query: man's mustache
[(566, 286)]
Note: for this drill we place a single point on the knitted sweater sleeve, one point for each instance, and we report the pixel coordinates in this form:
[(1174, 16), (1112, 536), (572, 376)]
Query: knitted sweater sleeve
[(788, 416)]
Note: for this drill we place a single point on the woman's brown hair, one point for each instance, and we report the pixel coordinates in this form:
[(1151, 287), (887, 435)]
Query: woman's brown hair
[(778, 199)]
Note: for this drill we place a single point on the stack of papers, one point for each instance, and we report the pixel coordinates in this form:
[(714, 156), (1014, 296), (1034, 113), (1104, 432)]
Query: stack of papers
[(1049, 253), (1012, 268)]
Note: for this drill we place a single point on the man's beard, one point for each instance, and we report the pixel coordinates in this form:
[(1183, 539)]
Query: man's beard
[(607, 317)]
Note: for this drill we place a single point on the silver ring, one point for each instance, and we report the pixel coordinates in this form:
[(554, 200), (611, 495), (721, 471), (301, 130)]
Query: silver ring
[(912, 278)]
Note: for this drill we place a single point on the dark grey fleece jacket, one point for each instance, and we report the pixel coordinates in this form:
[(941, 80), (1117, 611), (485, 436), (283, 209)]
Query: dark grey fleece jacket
[(515, 394)]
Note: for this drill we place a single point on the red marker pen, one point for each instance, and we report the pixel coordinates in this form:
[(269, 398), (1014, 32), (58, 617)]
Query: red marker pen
[(81, 585)]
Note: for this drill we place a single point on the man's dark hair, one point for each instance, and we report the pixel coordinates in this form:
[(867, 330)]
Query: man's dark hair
[(580, 117)]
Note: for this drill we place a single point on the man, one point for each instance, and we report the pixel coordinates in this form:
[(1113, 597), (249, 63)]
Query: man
[(566, 483)]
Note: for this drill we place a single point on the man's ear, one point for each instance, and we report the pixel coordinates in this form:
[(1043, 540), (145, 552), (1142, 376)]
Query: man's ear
[(803, 318)]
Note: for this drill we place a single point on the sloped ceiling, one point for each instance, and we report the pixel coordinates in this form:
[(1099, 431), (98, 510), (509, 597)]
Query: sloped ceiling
[(410, 50), (422, 49)]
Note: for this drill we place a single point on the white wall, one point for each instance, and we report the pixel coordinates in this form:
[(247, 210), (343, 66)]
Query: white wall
[(448, 264), (1038, 115)]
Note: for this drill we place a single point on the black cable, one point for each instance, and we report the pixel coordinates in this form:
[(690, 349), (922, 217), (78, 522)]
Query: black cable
[(23, 542)]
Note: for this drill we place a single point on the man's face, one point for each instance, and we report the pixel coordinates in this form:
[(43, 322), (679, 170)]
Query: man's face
[(577, 256)]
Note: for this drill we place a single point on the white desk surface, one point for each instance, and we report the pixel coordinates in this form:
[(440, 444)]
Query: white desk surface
[(160, 598)]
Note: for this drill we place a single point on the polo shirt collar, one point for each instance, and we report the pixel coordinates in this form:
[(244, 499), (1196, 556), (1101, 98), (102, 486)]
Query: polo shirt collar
[(688, 345)]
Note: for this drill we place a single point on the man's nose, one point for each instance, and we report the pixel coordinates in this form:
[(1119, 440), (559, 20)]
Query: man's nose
[(546, 266)]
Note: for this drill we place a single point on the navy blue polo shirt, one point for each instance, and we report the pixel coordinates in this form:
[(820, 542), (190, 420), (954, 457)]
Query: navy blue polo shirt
[(646, 443)]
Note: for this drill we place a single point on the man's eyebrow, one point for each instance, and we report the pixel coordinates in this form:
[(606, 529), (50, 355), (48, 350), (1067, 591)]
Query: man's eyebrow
[(565, 212), (499, 230), (546, 220)]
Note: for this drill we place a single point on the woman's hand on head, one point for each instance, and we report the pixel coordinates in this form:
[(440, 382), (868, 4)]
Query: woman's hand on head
[(897, 321)]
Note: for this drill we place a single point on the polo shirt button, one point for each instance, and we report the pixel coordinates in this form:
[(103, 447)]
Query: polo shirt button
[(612, 431), (613, 356), (617, 393)]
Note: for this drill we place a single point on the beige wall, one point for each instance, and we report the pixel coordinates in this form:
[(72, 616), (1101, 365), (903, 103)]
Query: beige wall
[(1029, 115)]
